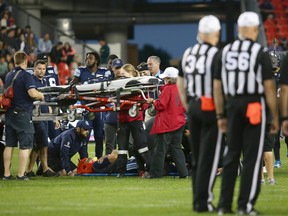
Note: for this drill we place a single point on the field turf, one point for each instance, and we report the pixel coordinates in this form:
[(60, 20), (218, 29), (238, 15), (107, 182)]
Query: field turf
[(69, 196)]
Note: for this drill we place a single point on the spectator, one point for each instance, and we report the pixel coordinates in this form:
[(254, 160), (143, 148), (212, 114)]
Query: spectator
[(21, 44), (65, 146), (68, 53), (27, 31), (2, 6), (104, 52), (45, 44), (31, 59), (56, 53), (3, 68), (3, 50), (18, 122), (168, 126), (10, 41), (4, 20), (266, 8), (31, 45), (3, 33)]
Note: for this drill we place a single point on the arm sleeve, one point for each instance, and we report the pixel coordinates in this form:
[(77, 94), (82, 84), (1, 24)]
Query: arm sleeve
[(29, 81), (217, 65), (77, 73), (64, 153), (267, 66), (83, 151), (164, 100)]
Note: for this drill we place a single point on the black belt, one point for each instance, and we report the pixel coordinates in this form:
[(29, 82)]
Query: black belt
[(193, 98)]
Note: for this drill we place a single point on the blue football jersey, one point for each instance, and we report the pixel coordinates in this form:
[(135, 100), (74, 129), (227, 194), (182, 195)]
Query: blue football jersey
[(85, 76)]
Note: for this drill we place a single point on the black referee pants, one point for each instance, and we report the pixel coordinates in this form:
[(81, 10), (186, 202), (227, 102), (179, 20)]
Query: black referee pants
[(248, 139), (206, 148)]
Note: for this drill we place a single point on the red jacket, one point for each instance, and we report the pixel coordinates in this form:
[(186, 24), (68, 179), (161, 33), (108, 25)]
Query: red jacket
[(170, 112)]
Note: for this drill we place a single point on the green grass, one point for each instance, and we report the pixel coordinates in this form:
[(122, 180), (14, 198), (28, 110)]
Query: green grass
[(128, 196)]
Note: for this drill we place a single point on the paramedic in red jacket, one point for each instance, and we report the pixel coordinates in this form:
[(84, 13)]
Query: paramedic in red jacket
[(168, 126), (133, 125)]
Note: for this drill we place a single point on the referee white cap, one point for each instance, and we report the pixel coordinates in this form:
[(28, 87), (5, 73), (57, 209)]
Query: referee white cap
[(209, 24), (248, 19)]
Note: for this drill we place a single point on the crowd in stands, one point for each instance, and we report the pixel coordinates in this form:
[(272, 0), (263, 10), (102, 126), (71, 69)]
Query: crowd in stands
[(15, 38), (275, 20)]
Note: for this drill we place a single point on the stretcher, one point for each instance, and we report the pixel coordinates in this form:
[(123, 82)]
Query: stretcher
[(116, 95)]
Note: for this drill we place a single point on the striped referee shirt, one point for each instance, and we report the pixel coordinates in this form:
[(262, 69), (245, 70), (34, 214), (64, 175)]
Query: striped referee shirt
[(197, 67), (243, 67)]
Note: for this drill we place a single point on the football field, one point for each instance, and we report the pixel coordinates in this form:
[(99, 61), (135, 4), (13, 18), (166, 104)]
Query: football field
[(127, 196)]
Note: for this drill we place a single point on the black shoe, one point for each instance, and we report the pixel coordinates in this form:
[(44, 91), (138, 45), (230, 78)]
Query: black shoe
[(223, 211), (120, 175), (50, 173), (7, 178), (39, 171), (207, 208), (244, 212), (30, 174), (22, 178)]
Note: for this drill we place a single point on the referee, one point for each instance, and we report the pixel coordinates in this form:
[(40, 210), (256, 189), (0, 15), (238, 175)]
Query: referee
[(245, 74), (195, 84)]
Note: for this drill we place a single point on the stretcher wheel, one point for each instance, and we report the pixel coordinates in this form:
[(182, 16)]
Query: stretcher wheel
[(71, 116), (36, 111), (133, 111), (151, 110)]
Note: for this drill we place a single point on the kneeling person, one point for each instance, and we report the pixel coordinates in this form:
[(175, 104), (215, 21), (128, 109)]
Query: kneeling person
[(63, 147)]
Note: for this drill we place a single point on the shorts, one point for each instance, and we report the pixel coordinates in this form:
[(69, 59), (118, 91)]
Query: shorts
[(19, 128), (41, 134), (99, 166)]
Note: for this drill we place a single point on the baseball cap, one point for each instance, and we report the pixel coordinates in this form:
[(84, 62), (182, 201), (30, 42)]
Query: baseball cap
[(142, 66), (42, 56), (209, 24), (248, 19), (169, 72), (83, 124), (117, 63)]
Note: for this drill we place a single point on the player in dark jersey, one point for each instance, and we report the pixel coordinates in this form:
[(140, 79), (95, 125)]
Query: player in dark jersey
[(89, 74)]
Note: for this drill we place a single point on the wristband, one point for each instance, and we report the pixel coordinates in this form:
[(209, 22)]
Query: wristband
[(284, 118), (220, 116)]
